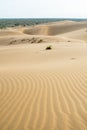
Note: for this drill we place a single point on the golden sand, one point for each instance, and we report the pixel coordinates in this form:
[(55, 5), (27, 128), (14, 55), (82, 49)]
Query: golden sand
[(44, 89)]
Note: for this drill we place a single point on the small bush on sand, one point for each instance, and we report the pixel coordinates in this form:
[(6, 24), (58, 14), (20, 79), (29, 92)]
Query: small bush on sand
[(49, 47)]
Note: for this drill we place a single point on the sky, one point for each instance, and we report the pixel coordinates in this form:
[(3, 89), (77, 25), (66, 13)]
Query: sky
[(43, 8)]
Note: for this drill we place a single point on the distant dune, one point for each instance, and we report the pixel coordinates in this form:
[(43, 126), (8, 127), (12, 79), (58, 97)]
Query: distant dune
[(8, 32), (78, 34), (44, 89), (55, 28)]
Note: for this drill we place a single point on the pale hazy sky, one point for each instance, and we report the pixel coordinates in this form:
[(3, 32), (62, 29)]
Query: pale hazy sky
[(43, 8)]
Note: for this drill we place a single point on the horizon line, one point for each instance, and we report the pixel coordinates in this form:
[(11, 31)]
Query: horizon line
[(42, 18)]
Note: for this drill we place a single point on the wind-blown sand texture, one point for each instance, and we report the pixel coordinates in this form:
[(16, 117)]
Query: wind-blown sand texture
[(44, 89)]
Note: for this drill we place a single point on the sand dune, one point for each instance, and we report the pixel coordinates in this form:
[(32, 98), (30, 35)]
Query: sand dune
[(55, 29), (7, 32), (51, 32), (78, 34), (44, 89), (43, 100)]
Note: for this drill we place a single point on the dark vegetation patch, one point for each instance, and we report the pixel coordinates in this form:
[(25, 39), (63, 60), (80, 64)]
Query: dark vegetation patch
[(23, 22), (30, 41), (48, 47)]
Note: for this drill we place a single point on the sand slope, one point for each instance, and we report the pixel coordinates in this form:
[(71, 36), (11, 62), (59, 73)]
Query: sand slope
[(43, 89), (43, 100), (55, 28), (78, 34)]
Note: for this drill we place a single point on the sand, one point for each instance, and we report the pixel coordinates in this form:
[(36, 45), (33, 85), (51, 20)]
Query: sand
[(44, 89)]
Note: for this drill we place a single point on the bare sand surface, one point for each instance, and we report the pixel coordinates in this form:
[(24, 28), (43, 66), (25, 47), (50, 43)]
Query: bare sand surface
[(44, 89)]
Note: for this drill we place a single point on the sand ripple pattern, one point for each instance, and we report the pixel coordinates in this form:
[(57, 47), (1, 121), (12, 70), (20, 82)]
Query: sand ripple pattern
[(43, 101)]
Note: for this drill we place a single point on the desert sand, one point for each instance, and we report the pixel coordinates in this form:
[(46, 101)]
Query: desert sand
[(44, 89)]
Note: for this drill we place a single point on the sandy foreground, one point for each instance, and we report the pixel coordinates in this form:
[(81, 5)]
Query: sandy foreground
[(44, 89)]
